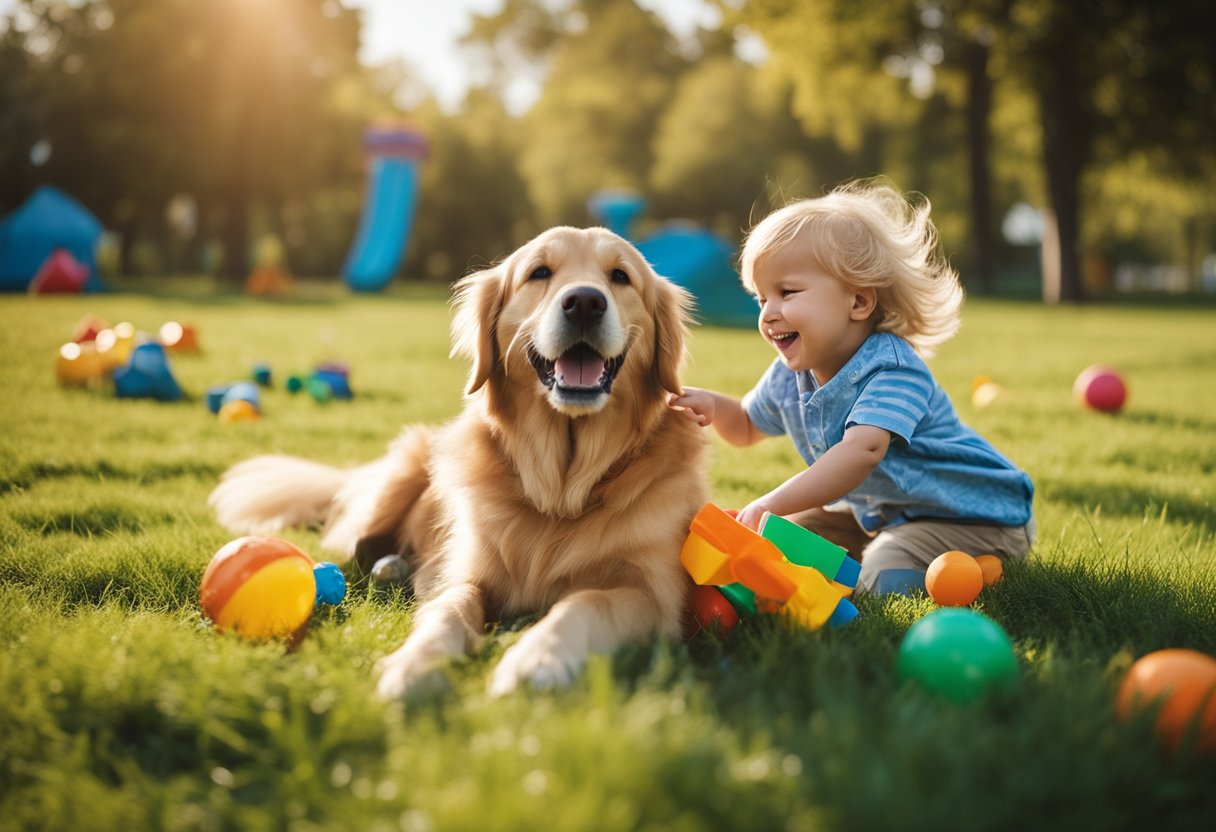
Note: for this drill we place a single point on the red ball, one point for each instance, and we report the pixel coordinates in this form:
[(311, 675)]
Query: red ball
[(711, 610), (1101, 388)]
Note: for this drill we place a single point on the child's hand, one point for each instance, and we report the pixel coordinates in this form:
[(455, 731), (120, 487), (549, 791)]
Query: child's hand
[(694, 404), (752, 514)]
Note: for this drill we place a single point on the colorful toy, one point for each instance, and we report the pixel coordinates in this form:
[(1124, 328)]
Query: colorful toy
[(326, 381), (1182, 683), (721, 551), (80, 364), (711, 610), (992, 568), (88, 327), (147, 375), (238, 410), (331, 584), (261, 374), (391, 570), (1101, 388), (958, 654), (116, 344), (954, 579), (178, 337), (258, 587)]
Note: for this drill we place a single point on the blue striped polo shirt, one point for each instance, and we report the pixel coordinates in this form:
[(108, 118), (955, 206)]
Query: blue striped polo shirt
[(935, 467)]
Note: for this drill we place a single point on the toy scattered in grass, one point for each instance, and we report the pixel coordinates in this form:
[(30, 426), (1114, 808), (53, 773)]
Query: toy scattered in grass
[(116, 344), (80, 364), (179, 337), (954, 579), (261, 375), (391, 570), (711, 610), (1182, 684), (326, 381), (259, 588), (958, 654), (88, 328), (147, 375), (1100, 387), (992, 568), (787, 575), (331, 584), (238, 410)]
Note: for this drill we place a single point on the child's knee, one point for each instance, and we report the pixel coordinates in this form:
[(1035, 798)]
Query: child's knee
[(887, 569)]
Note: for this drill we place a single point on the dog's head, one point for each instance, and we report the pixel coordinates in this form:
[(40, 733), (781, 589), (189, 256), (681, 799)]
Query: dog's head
[(574, 310)]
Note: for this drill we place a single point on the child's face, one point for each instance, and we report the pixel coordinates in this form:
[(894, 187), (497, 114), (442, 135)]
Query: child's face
[(811, 318)]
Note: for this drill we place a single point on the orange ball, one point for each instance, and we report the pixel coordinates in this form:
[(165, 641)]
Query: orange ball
[(992, 568), (1183, 684), (954, 579)]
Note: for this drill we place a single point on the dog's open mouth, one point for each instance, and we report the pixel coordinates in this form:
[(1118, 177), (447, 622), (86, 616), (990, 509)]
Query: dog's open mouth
[(579, 371)]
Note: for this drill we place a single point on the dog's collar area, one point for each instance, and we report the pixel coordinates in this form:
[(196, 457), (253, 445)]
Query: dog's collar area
[(579, 371)]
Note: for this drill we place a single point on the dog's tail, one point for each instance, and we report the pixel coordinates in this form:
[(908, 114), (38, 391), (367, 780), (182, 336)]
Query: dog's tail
[(382, 498), (270, 493)]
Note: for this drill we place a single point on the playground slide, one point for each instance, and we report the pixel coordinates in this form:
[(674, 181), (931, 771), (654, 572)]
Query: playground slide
[(388, 212)]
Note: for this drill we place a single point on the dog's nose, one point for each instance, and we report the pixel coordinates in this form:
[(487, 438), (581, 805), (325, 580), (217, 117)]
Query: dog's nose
[(584, 305)]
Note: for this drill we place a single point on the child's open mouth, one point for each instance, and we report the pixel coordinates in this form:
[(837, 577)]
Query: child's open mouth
[(784, 342)]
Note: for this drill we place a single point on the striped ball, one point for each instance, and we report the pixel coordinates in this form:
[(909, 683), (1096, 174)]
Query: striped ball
[(258, 587)]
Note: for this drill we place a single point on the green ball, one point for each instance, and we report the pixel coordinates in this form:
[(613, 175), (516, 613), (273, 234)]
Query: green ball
[(958, 654)]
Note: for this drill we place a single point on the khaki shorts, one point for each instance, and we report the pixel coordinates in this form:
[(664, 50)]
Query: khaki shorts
[(913, 546)]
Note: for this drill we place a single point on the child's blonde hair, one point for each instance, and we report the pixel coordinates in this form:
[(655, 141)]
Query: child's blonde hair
[(868, 234)]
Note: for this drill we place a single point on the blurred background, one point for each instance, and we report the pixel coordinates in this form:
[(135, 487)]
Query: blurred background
[(1068, 146)]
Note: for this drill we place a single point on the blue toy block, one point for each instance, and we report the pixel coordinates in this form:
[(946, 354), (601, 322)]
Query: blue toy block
[(215, 397), (843, 614), (900, 582), (146, 375), (261, 374), (848, 573), (244, 391)]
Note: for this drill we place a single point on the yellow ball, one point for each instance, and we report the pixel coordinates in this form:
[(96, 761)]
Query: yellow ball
[(238, 411), (259, 588)]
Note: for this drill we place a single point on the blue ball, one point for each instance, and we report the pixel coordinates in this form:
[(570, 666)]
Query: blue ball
[(331, 584), (243, 391)]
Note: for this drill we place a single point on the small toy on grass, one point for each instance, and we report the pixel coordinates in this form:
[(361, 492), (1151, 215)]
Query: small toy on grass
[(803, 577), (992, 568), (116, 344), (331, 584), (258, 588), (88, 327), (1182, 684), (984, 391), (147, 375), (954, 579), (80, 364), (238, 411), (261, 374), (958, 654), (236, 402), (326, 381), (1100, 387), (391, 570), (179, 337)]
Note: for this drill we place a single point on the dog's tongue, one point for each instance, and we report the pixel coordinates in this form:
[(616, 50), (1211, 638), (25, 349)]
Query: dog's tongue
[(579, 367)]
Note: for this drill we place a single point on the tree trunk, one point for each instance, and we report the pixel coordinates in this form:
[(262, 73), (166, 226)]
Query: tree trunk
[(1064, 143), (979, 105)]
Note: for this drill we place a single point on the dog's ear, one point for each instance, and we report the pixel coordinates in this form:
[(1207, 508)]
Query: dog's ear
[(478, 301), (672, 312)]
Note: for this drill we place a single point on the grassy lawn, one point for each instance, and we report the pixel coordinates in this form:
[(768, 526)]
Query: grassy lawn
[(124, 710)]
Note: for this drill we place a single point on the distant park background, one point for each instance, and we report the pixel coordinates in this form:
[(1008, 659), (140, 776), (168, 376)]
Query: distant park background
[(1068, 146)]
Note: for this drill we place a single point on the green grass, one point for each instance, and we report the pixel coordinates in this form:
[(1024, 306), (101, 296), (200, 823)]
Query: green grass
[(122, 709)]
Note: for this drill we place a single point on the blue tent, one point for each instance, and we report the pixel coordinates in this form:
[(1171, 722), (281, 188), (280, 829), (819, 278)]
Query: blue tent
[(48, 220)]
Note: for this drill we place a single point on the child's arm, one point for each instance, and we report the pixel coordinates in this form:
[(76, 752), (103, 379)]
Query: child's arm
[(844, 467), (726, 414)]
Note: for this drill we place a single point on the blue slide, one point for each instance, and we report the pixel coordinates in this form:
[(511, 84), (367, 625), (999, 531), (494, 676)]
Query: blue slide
[(388, 209)]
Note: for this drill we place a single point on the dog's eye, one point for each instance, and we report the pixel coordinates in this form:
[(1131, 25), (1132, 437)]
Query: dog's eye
[(541, 273), (619, 276)]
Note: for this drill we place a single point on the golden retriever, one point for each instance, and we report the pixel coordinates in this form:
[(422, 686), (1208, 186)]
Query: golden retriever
[(564, 488)]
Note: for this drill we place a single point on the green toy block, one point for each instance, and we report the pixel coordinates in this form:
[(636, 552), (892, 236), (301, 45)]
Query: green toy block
[(741, 598), (803, 547)]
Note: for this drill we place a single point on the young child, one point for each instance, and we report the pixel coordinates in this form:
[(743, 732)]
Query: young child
[(854, 297)]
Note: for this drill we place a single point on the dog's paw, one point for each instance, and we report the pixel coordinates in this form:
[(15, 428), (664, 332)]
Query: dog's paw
[(403, 677), (539, 662)]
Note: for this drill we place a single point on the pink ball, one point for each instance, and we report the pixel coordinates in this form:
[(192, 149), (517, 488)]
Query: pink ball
[(1100, 387)]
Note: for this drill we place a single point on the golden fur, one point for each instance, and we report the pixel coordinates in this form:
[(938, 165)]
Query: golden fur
[(548, 493)]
